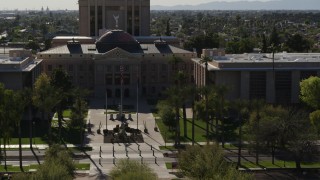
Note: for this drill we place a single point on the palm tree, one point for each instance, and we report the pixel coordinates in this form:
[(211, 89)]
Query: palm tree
[(45, 98), (21, 100), (192, 92), (242, 113), (220, 106), (60, 80), (257, 106), (175, 100), (205, 61), (2, 113), (9, 116)]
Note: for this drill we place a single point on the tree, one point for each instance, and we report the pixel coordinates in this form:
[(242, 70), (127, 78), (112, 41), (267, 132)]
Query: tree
[(220, 104), (298, 44), (166, 113), (315, 120), (297, 135), (61, 82), (207, 163), (168, 31), (309, 92), (254, 124), (8, 116), (174, 100), (2, 114), (21, 101), (132, 170), (274, 37), (242, 111), (205, 60), (45, 98), (58, 164)]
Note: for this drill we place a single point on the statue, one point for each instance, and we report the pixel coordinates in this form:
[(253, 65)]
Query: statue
[(116, 18)]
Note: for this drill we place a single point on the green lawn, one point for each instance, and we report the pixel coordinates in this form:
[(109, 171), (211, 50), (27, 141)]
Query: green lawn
[(85, 166), (10, 168), (200, 133), (168, 165), (66, 114), (279, 164), (37, 140)]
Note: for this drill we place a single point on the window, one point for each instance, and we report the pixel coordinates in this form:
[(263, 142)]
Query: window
[(49, 67), (70, 68), (81, 68)]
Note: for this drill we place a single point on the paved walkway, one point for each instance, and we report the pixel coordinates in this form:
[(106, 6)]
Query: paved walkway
[(142, 152)]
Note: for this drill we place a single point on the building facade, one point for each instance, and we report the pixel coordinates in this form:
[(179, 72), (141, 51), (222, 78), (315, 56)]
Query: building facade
[(118, 57), (18, 69), (97, 16), (258, 76)]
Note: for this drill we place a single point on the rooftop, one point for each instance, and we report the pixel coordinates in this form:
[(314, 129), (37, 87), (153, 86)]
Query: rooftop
[(253, 61)]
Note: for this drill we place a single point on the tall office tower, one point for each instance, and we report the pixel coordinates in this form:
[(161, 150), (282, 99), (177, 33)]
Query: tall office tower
[(132, 16)]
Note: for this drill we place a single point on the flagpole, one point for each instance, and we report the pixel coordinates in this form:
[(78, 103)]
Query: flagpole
[(106, 109), (137, 102), (121, 103)]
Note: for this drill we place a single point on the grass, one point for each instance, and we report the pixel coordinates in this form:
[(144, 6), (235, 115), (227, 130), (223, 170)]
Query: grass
[(66, 114), (85, 166), (37, 140), (10, 168), (199, 131), (168, 148), (279, 164), (168, 165)]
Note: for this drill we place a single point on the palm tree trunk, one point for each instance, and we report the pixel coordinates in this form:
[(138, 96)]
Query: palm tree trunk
[(273, 153), (217, 129), (185, 131), (193, 123), (222, 134), (20, 148), (207, 119), (49, 130), (240, 145), (177, 138), (59, 111), (257, 146), (5, 153), (30, 127)]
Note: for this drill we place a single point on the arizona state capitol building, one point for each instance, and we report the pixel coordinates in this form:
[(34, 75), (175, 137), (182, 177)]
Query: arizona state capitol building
[(96, 65)]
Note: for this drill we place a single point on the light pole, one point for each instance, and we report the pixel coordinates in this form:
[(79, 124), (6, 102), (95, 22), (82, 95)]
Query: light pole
[(106, 109)]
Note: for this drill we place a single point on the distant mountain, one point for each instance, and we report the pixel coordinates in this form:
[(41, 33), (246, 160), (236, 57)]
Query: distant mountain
[(248, 5)]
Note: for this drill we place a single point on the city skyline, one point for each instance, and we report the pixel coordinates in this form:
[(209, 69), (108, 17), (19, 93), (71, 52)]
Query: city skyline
[(73, 4)]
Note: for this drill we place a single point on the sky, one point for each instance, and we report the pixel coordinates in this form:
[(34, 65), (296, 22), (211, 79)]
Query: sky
[(72, 4)]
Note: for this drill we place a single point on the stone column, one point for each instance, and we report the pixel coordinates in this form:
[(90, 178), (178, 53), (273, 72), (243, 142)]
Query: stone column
[(245, 85), (295, 86), (104, 15), (270, 93), (96, 33)]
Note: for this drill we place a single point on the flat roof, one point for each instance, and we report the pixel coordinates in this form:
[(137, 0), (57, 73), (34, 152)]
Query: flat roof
[(264, 61)]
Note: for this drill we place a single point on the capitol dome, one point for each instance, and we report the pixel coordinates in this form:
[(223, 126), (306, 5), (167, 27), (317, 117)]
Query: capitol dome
[(117, 38)]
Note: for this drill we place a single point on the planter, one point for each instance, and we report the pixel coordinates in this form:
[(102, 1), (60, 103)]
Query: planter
[(98, 131), (105, 132)]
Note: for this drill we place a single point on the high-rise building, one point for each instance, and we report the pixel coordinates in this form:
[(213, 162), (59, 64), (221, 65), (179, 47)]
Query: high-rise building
[(132, 16)]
